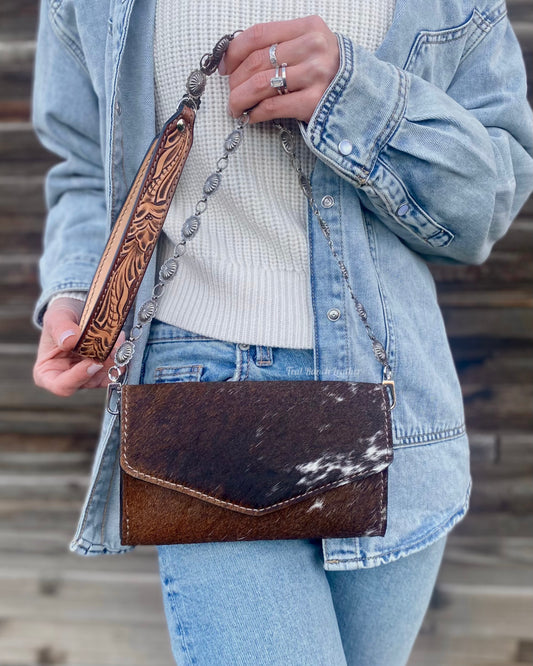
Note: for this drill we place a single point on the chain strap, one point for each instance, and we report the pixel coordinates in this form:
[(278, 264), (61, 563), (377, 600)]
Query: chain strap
[(288, 144), (195, 87)]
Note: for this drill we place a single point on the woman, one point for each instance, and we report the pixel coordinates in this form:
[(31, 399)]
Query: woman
[(414, 122)]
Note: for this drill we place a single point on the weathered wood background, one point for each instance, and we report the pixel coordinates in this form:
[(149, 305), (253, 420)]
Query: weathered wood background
[(57, 608)]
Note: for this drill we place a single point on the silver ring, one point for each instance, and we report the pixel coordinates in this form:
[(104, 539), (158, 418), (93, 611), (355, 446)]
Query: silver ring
[(272, 55), (279, 80), (276, 81), (283, 89)]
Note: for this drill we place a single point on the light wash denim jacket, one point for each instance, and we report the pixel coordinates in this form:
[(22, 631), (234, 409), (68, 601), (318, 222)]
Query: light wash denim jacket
[(426, 149)]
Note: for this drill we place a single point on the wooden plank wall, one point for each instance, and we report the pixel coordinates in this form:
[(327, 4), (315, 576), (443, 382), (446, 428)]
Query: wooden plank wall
[(46, 443)]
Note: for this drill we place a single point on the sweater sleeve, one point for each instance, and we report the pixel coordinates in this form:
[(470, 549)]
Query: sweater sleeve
[(76, 295), (446, 171)]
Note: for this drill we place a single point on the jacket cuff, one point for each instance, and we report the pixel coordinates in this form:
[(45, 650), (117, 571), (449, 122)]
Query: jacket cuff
[(62, 283), (63, 289), (358, 112)]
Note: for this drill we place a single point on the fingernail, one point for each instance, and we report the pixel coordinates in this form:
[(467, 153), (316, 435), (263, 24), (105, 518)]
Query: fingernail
[(222, 67), (64, 336), (93, 369)]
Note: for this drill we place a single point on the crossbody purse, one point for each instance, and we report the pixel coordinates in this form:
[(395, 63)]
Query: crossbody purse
[(229, 461)]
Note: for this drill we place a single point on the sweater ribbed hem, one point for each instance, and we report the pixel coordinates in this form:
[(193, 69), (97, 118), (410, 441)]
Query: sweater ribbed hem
[(216, 299)]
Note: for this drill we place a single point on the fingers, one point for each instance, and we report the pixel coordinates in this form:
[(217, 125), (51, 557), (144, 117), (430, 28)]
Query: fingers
[(63, 373), (266, 103), (262, 35), (57, 369), (282, 106), (293, 52), (311, 52), (65, 382)]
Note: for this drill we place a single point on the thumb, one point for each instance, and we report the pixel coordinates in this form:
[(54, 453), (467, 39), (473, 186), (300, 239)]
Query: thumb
[(67, 336), (61, 320)]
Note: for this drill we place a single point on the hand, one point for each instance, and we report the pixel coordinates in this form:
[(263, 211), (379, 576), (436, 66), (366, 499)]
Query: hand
[(57, 368), (311, 52)]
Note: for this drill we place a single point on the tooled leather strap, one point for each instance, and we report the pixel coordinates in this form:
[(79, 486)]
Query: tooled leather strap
[(134, 237)]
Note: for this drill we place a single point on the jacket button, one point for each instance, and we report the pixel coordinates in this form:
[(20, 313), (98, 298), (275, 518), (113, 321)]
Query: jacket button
[(402, 210), (334, 314), (345, 147), (328, 201)]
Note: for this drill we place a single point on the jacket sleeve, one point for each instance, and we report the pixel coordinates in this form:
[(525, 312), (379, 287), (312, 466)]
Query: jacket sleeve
[(446, 171), (65, 116)]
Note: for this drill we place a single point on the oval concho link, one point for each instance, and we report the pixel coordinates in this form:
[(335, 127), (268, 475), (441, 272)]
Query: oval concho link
[(305, 185), (212, 183), (147, 311), (190, 226), (124, 353), (287, 140), (233, 140), (168, 269), (196, 83)]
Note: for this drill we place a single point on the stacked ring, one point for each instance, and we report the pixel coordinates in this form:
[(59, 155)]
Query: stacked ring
[(272, 56), (279, 81)]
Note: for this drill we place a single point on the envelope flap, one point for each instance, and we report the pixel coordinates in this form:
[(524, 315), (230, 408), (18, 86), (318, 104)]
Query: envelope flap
[(255, 447)]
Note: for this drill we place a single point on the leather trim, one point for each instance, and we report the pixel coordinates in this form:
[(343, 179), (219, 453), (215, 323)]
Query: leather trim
[(134, 237)]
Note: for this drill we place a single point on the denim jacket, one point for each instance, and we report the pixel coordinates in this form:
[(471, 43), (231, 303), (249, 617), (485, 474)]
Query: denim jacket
[(425, 154)]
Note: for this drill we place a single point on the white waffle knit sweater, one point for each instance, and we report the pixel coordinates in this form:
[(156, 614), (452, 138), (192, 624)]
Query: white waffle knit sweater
[(245, 275)]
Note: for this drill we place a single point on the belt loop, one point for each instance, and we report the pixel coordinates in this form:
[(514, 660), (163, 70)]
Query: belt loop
[(263, 356)]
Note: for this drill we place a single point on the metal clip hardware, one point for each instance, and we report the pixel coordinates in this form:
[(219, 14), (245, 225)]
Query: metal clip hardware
[(389, 383), (114, 390)]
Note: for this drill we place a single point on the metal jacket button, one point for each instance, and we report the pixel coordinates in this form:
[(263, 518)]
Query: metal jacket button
[(402, 210), (345, 147), (328, 201), (334, 314)]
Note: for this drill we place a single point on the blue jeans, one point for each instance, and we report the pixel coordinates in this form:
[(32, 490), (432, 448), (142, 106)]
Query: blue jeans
[(271, 603)]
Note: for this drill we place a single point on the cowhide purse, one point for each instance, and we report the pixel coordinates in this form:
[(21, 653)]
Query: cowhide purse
[(219, 461)]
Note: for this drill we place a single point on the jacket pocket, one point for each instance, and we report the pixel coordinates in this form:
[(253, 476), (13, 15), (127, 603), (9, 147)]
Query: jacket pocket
[(436, 54)]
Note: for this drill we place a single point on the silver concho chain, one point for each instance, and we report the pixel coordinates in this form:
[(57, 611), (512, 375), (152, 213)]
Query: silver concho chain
[(288, 144), (195, 86)]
